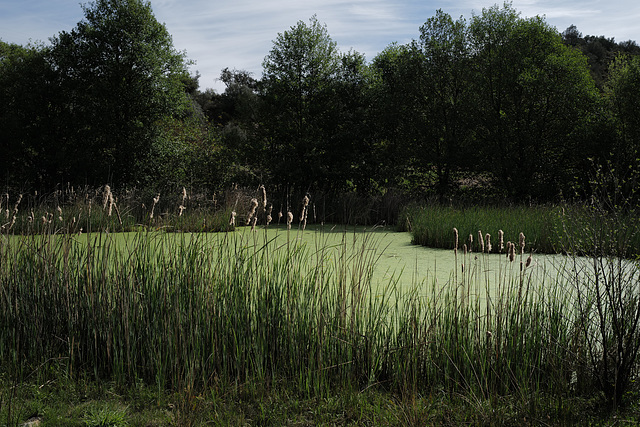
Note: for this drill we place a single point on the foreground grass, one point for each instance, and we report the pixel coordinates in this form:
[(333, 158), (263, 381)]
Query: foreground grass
[(62, 401)]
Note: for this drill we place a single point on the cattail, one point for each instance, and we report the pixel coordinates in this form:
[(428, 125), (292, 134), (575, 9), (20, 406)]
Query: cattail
[(15, 208), (305, 203), (184, 194), (488, 240), (521, 243), (111, 203), (512, 252), (263, 191), (481, 240), (155, 202), (470, 242), (60, 213), (254, 221), (269, 219), (528, 263), (279, 216), (464, 249), (181, 208), (289, 220), (252, 211), (105, 196), (232, 220), (500, 240), (455, 238)]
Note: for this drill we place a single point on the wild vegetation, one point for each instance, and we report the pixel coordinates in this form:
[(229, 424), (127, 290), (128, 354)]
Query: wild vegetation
[(184, 294), (191, 317)]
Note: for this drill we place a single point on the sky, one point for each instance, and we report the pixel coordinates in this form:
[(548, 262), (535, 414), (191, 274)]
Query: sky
[(238, 34)]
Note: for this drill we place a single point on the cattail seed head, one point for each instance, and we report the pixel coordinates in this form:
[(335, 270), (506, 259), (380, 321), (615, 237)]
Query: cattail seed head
[(500, 240), (289, 220), (232, 220), (481, 240), (105, 196), (487, 238), (521, 243), (455, 238), (464, 249), (512, 252), (263, 192), (528, 263)]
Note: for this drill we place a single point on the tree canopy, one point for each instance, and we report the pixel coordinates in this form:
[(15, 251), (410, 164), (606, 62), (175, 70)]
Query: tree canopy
[(499, 104)]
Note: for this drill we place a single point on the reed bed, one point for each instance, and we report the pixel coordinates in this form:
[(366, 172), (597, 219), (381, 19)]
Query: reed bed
[(200, 311), (431, 225), (195, 310)]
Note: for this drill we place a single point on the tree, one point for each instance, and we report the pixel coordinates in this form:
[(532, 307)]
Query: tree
[(446, 95), (120, 76), (534, 95), (297, 87), (28, 116)]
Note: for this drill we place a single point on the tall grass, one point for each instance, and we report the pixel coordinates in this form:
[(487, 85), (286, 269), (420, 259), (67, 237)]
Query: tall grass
[(189, 311), (431, 225)]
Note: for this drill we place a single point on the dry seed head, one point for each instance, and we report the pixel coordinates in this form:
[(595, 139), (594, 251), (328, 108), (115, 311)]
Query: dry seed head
[(455, 237), (269, 219), (521, 243), (253, 223), (481, 240), (181, 208), (512, 252), (252, 211), (289, 220), (500, 240), (464, 249), (470, 242), (232, 220), (184, 194), (487, 238), (105, 196), (263, 192), (528, 261)]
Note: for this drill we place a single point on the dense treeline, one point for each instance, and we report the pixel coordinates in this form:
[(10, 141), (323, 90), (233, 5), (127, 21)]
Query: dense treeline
[(498, 105)]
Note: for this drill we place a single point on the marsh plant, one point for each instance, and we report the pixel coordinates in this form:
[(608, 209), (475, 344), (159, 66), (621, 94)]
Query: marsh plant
[(204, 311), (607, 288)]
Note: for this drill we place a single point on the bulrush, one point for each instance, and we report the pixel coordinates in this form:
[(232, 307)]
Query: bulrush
[(105, 196), (455, 238), (470, 242), (232, 220), (254, 221), (252, 210), (263, 192), (487, 238), (521, 243), (500, 240), (289, 220), (59, 213), (512, 252), (155, 202), (305, 211), (111, 203), (528, 263), (481, 240)]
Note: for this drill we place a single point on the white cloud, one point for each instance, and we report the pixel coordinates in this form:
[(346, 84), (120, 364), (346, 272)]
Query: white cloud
[(239, 34)]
